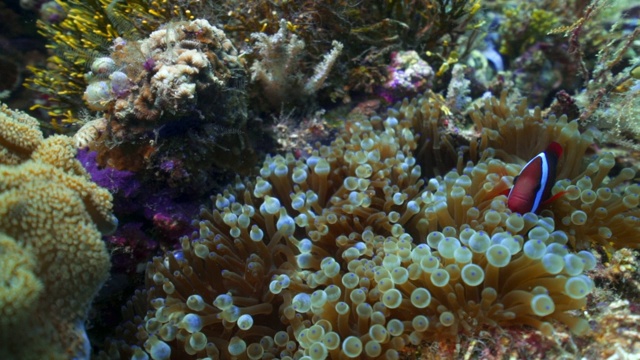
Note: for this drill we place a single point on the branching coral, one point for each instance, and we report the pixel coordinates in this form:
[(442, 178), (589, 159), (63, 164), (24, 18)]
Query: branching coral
[(350, 254), (277, 69), (53, 259)]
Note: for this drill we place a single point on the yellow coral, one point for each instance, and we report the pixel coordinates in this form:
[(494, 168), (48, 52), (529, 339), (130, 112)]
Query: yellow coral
[(19, 136), (20, 286), (51, 216)]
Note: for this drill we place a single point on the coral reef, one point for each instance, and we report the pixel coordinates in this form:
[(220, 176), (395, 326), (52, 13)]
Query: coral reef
[(609, 99), (80, 31), (387, 27), (53, 260), (374, 232), (517, 35), (174, 108), (617, 325), (613, 316), (350, 253), (440, 27)]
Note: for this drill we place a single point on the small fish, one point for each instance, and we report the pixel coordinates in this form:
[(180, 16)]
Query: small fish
[(532, 187)]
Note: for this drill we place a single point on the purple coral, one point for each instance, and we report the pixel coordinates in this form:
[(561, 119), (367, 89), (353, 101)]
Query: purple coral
[(408, 73), (120, 84), (116, 181), (149, 64)]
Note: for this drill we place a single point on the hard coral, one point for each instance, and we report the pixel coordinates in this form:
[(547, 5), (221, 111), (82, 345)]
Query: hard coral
[(62, 79), (350, 254), (179, 114), (408, 74), (53, 258)]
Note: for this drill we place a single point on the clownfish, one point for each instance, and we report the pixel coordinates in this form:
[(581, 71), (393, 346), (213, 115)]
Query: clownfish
[(532, 187)]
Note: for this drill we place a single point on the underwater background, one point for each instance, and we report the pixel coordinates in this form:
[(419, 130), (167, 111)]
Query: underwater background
[(394, 179)]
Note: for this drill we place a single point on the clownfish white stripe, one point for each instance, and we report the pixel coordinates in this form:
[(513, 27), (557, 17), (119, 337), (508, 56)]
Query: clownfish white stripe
[(543, 182)]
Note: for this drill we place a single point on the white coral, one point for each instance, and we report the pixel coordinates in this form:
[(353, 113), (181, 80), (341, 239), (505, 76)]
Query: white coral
[(277, 70), (322, 69)]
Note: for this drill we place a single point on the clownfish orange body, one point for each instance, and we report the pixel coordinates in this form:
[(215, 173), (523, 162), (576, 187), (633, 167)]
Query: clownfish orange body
[(532, 187)]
